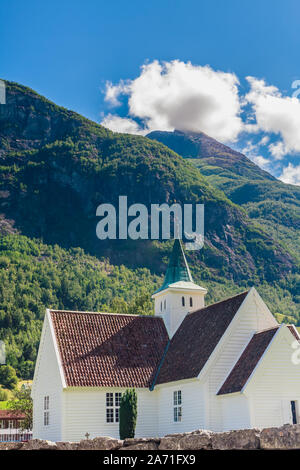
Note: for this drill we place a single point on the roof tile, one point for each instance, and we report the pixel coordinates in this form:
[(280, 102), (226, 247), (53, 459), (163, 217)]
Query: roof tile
[(248, 361), (196, 339), (109, 350)]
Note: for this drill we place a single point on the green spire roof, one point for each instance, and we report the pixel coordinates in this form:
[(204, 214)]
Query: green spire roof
[(178, 269)]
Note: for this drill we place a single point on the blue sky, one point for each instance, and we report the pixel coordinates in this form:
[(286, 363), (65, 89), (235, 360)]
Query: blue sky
[(87, 56)]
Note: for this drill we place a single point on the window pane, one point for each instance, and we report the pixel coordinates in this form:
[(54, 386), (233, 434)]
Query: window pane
[(175, 398), (118, 396), (179, 397), (109, 415), (191, 302), (117, 414), (179, 413), (175, 414), (109, 399), (46, 418), (46, 403)]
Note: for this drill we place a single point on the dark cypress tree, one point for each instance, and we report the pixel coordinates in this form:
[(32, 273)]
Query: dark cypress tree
[(128, 414)]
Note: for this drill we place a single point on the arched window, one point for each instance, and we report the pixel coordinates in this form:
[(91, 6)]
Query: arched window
[(191, 301), (183, 301)]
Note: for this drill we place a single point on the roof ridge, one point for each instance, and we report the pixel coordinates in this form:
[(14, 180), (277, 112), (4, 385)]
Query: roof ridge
[(102, 313), (219, 302)]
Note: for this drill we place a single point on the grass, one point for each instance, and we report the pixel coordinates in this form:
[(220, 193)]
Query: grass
[(3, 405)]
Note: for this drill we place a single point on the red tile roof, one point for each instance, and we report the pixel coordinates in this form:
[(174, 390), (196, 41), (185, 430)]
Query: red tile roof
[(248, 361), (10, 414), (109, 350), (196, 339)]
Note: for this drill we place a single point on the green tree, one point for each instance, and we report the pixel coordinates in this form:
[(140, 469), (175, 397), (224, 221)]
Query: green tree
[(128, 414), (8, 377), (3, 395), (22, 402)]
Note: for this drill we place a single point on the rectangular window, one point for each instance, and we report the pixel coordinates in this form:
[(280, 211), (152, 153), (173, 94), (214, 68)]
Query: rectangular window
[(109, 399), (118, 397), (294, 412), (46, 403), (177, 400), (46, 418), (46, 410), (109, 415), (113, 401)]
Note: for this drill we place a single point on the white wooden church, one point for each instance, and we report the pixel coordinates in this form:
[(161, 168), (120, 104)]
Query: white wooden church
[(225, 366)]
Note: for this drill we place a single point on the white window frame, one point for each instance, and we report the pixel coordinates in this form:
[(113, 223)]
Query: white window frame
[(46, 402), (46, 418), (112, 402), (46, 410), (177, 406)]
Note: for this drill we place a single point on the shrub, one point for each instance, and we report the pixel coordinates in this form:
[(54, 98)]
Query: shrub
[(128, 414), (8, 377), (3, 395)]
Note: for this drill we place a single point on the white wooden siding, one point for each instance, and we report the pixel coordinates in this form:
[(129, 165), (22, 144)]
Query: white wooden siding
[(252, 316), (85, 412), (47, 382), (235, 412), (275, 384), (193, 407)]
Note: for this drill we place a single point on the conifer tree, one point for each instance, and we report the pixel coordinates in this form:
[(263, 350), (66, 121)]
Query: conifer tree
[(128, 414)]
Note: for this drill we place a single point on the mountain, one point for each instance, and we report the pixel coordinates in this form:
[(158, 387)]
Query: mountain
[(272, 204), (211, 153), (56, 167)]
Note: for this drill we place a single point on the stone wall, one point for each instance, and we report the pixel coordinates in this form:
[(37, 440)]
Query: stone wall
[(285, 437)]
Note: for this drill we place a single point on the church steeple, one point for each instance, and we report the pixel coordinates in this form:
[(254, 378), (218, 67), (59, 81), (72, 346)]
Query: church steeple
[(178, 294), (178, 269)]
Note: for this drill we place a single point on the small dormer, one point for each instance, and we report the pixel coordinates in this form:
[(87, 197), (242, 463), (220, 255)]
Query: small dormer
[(179, 294)]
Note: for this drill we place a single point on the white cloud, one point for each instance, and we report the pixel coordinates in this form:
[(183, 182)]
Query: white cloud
[(178, 95), (291, 174), (262, 162), (118, 124), (112, 92), (264, 140), (276, 114)]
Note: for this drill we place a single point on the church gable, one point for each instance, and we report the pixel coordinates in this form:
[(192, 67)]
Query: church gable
[(196, 339), (249, 359)]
